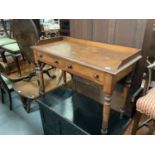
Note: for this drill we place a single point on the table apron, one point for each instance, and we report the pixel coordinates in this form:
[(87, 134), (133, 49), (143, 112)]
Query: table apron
[(72, 67)]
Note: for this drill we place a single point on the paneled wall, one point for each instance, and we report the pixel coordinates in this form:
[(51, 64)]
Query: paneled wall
[(127, 32), (81, 28), (103, 30)]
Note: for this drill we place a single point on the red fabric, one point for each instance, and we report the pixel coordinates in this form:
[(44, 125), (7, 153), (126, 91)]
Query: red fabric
[(146, 104)]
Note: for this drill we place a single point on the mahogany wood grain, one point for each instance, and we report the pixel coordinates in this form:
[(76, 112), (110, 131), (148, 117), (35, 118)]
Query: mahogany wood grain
[(103, 56), (101, 63)]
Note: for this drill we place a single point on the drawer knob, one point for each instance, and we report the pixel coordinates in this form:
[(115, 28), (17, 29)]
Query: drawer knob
[(70, 66), (56, 61), (40, 56), (96, 76)]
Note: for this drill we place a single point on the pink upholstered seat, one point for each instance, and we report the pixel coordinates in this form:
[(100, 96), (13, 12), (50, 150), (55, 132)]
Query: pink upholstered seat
[(146, 104)]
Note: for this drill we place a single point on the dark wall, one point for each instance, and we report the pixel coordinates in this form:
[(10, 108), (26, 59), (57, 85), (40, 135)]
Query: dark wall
[(127, 32), (81, 28)]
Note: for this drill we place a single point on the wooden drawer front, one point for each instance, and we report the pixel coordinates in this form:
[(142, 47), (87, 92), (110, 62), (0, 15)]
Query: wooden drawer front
[(49, 59), (84, 72), (73, 68)]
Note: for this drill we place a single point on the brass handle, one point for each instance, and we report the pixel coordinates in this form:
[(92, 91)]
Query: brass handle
[(56, 62), (96, 76), (70, 66), (40, 56)]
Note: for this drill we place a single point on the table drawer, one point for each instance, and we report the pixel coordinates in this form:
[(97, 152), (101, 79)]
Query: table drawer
[(49, 59), (71, 67), (84, 72)]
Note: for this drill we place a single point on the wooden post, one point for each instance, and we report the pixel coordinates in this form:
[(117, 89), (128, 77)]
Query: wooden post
[(127, 87), (108, 90), (106, 113)]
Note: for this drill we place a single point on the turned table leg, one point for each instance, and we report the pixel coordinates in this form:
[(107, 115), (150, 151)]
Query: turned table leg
[(108, 88), (125, 95), (106, 113)]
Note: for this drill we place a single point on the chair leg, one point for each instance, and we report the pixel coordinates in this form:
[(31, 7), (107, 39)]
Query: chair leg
[(2, 95), (153, 127), (26, 103), (10, 100), (23, 56), (28, 107), (3, 57), (136, 122)]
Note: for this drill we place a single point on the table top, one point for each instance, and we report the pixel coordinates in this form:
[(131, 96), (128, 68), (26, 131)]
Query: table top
[(104, 57)]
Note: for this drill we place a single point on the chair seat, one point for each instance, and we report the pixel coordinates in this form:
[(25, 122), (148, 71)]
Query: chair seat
[(12, 48), (30, 89), (146, 104), (6, 40)]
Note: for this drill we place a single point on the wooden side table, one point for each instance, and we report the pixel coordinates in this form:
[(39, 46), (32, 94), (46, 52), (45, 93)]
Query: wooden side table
[(101, 63)]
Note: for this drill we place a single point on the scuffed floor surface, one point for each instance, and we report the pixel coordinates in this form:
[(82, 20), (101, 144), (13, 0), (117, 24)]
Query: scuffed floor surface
[(17, 121)]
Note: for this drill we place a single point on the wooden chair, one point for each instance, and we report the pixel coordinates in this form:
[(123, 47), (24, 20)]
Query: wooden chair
[(29, 92), (6, 83), (9, 45), (14, 50), (6, 87), (6, 25), (28, 89), (27, 35), (6, 39), (145, 105)]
